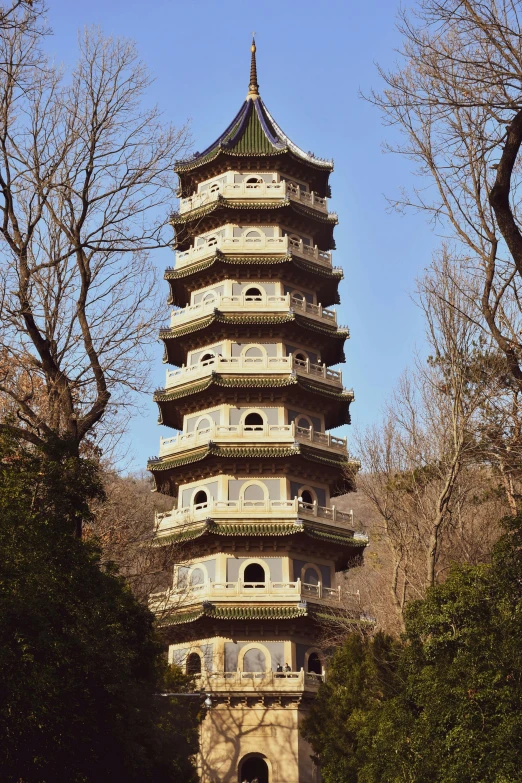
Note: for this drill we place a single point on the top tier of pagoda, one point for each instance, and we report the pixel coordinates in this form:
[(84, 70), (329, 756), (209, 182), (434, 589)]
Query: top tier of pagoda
[(254, 133)]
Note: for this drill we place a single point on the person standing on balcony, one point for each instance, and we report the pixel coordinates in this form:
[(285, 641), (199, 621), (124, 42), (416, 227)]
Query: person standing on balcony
[(287, 668), (279, 669)]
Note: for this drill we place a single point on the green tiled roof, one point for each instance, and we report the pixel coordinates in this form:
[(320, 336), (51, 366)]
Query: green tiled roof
[(258, 205), (232, 452), (173, 333), (260, 529), (268, 260), (252, 132), (237, 613), (254, 382)]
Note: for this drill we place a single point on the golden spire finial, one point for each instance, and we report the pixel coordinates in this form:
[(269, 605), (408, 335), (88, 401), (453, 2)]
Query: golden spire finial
[(253, 87)]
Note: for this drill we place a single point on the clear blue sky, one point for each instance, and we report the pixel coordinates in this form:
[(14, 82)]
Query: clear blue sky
[(312, 60)]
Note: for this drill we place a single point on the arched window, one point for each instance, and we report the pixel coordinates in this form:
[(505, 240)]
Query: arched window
[(253, 493), (254, 767), (197, 577), (209, 296), (206, 357), (253, 295), (253, 236), (301, 355), (304, 422), (254, 572), (253, 421), (193, 664), (211, 241), (200, 497), (253, 354), (314, 664), (298, 295), (254, 181), (204, 423), (311, 577), (254, 660), (306, 496), (215, 187)]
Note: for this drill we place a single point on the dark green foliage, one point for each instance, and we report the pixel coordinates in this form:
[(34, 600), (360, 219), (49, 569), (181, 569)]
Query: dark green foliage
[(80, 663), (362, 675), (450, 706)]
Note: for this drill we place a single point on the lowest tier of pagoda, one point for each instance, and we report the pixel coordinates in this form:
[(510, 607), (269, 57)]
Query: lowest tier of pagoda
[(254, 471)]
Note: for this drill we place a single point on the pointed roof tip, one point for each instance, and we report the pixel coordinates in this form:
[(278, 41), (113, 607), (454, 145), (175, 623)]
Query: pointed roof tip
[(253, 87)]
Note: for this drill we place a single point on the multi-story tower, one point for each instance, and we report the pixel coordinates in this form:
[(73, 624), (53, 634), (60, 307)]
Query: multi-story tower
[(254, 470)]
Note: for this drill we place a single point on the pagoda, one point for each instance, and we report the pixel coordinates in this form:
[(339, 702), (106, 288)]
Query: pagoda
[(253, 470)]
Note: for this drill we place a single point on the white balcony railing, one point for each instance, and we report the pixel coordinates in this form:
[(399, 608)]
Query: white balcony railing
[(250, 303), (240, 681), (253, 365), (239, 510), (261, 592), (267, 433), (253, 245), (254, 190)]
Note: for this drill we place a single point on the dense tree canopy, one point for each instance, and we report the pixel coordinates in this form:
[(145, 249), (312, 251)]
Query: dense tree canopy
[(446, 706), (80, 663)]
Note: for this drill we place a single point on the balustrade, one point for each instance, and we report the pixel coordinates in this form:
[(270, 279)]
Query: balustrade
[(239, 680), (243, 364), (258, 245), (261, 303), (249, 432), (262, 591), (254, 190), (254, 509)]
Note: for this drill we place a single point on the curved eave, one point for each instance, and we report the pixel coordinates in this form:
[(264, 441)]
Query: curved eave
[(219, 266), (335, 273), (209, 528), (257, 205), (330, 339), (252, 132), (253, 451), (336, 469), (220, 152), (254, 319), (228, 613), (334, 402)]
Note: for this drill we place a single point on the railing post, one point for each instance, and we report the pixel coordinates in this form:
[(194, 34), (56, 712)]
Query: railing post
[(334, 513), (315, 506), (319, 590)]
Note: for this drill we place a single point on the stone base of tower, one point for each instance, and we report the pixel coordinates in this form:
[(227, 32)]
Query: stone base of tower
[(243, 741)]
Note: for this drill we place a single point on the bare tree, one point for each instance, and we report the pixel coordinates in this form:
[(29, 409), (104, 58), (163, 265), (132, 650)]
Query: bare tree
[(428, 468), (457, 98), (86, 185)]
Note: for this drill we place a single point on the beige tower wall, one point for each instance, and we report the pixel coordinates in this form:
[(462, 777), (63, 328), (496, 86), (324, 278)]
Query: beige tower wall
[(229, 733)]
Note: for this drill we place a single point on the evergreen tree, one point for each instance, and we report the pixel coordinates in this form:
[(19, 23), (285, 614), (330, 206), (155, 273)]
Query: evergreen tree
[(449, 708), (80, 664)]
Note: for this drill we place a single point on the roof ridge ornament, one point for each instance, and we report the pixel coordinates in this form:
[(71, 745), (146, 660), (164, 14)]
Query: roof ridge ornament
[(253, 87)]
